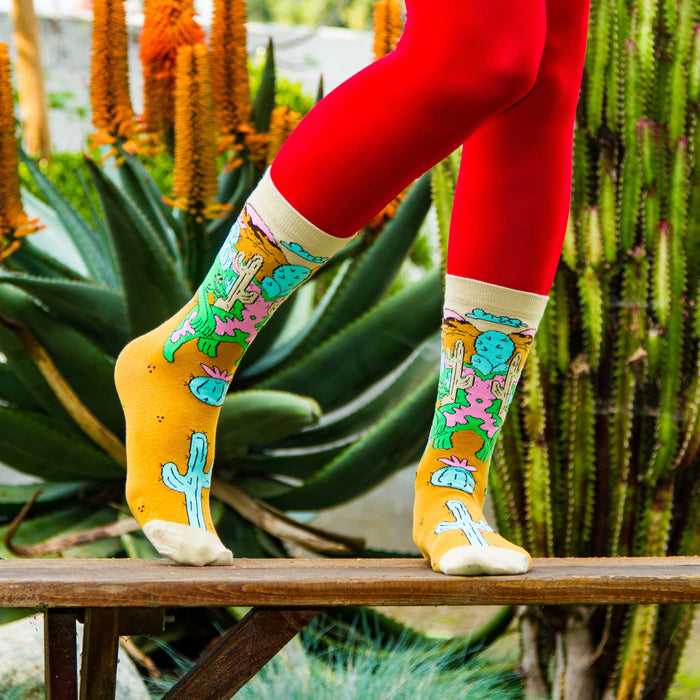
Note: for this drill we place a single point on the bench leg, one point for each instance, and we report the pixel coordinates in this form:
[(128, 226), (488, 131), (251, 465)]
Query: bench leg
[(241, 653), (60, 655), (98, 670)]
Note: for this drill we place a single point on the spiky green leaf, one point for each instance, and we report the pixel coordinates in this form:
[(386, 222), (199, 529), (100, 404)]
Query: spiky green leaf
[(153, 285), (36, 445), (399, 437)]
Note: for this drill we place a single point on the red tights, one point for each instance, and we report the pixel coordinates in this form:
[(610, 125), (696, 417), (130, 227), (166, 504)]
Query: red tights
[(501, 78)]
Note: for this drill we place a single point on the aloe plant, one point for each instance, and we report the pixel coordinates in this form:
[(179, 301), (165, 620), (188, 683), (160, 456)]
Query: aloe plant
[(599, 456)]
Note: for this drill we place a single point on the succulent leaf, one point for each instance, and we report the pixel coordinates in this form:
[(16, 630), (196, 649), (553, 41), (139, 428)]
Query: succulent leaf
[(258, 417), (265, 97), (596, 62), (630, 191), (97, 311), (87, 369), (13, 392), (36, 445), (93, 250), (443, 192), (580, 458), (368, 348), (592, 318), (147, 271), (391, 444)]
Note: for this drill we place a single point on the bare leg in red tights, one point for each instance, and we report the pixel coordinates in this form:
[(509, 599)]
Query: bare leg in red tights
[(508, 223), (456, 66)]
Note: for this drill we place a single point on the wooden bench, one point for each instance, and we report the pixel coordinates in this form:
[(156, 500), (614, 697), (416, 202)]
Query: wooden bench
[(126, 596)]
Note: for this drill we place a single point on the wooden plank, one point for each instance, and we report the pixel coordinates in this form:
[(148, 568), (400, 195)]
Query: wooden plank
[(240, 654), (124, 583), (98, 670), (60, 655)]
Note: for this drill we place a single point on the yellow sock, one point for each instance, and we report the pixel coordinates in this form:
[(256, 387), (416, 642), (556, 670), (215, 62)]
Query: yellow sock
[(173, 380), (486, 335)]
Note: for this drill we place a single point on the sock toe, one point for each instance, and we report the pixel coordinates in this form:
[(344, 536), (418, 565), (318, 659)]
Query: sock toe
[(187, 545), (471, 560)]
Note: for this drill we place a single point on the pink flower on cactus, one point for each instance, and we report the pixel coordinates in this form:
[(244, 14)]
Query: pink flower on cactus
[(216, 373), (458, 463)]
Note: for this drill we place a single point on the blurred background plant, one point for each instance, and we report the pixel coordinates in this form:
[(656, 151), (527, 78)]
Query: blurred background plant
[(397, 669)]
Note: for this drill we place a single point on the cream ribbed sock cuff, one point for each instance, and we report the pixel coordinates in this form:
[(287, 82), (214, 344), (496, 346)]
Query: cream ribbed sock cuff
[(467, 295), (288, 225)]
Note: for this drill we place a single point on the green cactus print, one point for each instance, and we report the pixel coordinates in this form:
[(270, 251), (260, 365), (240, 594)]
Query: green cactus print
[(237, 297), (474, 393)]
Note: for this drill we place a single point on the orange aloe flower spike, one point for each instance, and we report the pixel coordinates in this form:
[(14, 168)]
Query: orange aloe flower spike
[(283, 121), (388, 26), (167, 25), (229, 72), (195, 172), (14, 223), (112, 113)]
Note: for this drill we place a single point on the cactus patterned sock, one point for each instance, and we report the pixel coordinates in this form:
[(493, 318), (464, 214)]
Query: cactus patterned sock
[(486, 335), (173, 380)]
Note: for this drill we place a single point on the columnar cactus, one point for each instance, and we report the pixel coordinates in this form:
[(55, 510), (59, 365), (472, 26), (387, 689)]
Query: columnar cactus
[(602, 458)]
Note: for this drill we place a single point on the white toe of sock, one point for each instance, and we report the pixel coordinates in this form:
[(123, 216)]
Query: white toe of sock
[(478, 561), (187, 545)]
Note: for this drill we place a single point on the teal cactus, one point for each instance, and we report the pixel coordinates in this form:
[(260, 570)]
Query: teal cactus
[(210, 389), (456, 475), (193, 480)]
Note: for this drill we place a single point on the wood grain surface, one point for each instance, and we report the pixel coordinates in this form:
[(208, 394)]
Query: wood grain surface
[(43, 583)]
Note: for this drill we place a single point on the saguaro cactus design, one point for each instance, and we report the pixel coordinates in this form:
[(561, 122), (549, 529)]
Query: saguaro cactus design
[(464, 522), (193, 480)]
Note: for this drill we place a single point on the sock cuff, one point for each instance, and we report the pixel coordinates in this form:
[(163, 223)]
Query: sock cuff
[(288, 225), (464, 295)]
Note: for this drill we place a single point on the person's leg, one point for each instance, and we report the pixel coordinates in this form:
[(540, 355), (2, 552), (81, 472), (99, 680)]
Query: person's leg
[(457, 65), (507, 229)]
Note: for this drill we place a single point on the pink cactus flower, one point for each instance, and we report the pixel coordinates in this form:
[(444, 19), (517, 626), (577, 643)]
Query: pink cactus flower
[(458, 463), (217, 373)]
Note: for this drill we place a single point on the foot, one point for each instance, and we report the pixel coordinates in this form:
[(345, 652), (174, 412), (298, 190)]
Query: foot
[(171, 416), (455, 538), (173, 380)]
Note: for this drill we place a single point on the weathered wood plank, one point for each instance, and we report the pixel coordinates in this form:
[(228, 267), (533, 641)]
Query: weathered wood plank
[(98, 670), (240, 654), (60, 655), (326, 582)]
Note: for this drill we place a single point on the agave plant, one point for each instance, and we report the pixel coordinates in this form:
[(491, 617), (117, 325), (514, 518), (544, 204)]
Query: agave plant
[(600, 458), (71, 296), (299, 443)]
